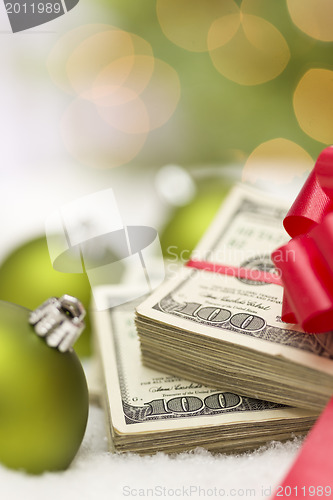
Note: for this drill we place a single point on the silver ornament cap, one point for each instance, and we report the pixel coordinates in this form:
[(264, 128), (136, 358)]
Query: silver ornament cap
[(59, 321)]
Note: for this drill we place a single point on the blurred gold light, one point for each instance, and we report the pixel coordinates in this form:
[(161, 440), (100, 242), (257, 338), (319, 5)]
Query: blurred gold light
[(147, 107), (82, 54), (277, 161), (187, 22), (97, 52), (123, 93), (94, 142), (162, 94), (313, 104), (133, 72), (256, 54), (129, 115), (58, 57), (223, 30), (314, 17), (254, 6)]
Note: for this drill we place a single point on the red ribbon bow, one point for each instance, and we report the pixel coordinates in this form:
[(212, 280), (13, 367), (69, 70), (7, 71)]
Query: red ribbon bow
[(306, 262), (306, 265)]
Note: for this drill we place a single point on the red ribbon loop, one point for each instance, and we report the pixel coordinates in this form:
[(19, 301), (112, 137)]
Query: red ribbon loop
[(306, 262)]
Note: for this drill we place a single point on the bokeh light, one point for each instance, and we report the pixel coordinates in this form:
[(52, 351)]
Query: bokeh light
[(161, 95), (255, 54), (57, 60), (187, 22), (175, 185), (151, 94), (313, 104), (115, 48), (134, 72), (314, 17), (223, 30), (130, 115), (94, 53), (276, 162), (83, 53), (93, 142), (128, 92)]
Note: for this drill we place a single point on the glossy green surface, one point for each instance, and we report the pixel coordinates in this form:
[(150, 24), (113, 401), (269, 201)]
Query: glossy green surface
[(43, 398), (188, 223), (27, 278)]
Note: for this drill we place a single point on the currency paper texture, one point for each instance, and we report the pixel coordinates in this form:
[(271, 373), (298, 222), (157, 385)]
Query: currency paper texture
[(227, 331), (150, 411)]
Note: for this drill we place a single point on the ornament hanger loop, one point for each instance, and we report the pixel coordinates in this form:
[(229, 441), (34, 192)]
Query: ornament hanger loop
[(59, 321)]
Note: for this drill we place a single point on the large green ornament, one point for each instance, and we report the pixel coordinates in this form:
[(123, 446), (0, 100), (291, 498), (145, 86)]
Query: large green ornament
[(27, 278), (44, 398)]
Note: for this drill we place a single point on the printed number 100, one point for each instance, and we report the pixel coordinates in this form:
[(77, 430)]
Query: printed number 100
[(35, 8)]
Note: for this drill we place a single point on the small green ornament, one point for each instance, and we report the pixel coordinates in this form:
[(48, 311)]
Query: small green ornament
[(44, 397), (188, 223), (27, 278)]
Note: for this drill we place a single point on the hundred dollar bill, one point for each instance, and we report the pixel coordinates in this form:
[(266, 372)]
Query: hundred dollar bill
[(227, 331), (150, 411)]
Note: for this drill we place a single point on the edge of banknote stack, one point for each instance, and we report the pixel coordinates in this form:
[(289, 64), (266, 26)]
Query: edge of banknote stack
[(226, 332), (148, 411)]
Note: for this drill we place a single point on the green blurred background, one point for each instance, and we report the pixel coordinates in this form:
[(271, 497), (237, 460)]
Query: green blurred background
[(112, 92), (220, 120)]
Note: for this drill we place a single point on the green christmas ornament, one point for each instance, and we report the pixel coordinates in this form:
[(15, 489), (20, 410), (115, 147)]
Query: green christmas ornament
[(27, 278), (43, 391), (188, 223)]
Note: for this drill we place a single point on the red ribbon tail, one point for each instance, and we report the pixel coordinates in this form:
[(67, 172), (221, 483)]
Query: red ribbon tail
[(311, 472)]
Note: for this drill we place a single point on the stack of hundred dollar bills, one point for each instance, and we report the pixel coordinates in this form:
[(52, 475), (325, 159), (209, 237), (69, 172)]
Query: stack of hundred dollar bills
[(226, 331), (212, 370), (149, 411)]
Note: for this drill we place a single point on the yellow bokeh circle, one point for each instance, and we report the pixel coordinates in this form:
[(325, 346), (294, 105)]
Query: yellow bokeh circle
[(162, 94), (80, 55), (122, 93), (250, 51), (93, 55), (132, 72), (57, 60), (276, 162), (313, 104), (313, 17), (144, 103), (130, 115), (186, 22)]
